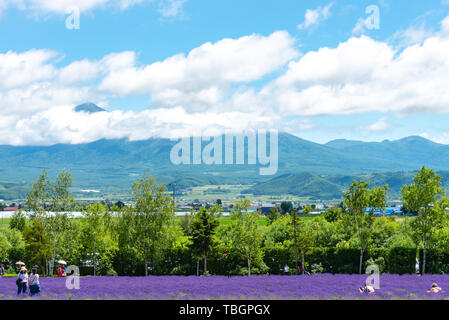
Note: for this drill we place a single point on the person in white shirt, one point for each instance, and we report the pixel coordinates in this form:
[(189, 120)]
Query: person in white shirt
[(286, 270), (22, 281), (35, 287)]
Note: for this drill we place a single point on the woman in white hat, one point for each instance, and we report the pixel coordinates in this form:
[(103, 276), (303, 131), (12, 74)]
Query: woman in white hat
[(22, 281)]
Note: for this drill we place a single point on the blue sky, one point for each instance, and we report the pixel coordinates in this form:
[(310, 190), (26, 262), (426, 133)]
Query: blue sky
[(240, 86)]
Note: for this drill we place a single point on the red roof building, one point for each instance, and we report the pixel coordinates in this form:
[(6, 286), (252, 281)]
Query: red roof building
[(11, 209)]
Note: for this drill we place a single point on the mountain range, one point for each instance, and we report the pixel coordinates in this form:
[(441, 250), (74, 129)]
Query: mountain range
[(112, 165)]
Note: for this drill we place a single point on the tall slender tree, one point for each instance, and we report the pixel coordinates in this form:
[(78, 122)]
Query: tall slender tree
[(38, 198), (61, 202), (153, 210), (425, 198), (203, 230), (97, 238), (38, 248), (356, 202), (246, 235)]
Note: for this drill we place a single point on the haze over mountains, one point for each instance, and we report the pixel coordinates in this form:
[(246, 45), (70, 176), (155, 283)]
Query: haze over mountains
[(115, 164)]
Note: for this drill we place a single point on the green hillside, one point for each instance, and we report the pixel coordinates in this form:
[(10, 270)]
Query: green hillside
[(332, 187), (10, 190), (300, 185)]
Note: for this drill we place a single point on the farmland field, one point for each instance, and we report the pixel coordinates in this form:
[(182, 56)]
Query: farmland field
[(318, 286), (232, 192)]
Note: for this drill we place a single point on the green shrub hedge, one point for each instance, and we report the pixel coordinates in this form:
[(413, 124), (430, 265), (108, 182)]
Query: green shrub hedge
[(326, 260), (437, 261)]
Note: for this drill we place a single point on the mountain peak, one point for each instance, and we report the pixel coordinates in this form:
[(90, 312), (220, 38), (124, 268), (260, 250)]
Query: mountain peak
[(89, 107), (416, 139)]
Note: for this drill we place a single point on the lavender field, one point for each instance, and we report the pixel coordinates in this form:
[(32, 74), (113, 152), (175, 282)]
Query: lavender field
[(322, 286)]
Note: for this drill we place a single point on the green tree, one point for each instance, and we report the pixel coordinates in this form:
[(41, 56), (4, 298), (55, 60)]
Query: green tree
[(203, 228), (153, 210), (286, 207), (246, 236), (97, 239), (304, 237), (128, 257), (186, 223), (37, 244), (278, 233), (39, 197), (307, 210), (274, 215), (333, 214), (356, 202), (423, 197), (68, 242), (17, 250), (5, 246), (294, 226), (60, 203), (18, 221)]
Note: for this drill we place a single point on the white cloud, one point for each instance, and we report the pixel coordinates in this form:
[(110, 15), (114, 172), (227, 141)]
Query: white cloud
[(212, 87), (411, 36), (443, 138), (363, 75), (62, 125), (31, 82), (168, 8), (60, 6), (37, 96), (445, 25), (18, 70), (171, 8), (360, 26), (378, 126), (203, 76), (314, 17)]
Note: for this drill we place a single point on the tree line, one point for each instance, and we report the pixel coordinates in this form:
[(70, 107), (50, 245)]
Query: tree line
[(135, 239)]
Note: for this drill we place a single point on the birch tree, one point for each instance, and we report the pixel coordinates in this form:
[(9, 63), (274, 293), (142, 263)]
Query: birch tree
[(246, 236), (153, 210), (356, 202), (61, 203), (425, 198)]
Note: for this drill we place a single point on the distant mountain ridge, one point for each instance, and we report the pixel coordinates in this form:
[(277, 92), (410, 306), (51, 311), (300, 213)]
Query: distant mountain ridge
[(316, 187), (115, 164)]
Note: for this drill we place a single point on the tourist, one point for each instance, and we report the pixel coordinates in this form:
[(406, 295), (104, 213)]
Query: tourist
[(286, 270), (64, 271), (22, 281), (435, 288), (366, 289), (301, 270), (35, 287), (60, 271), (2, 270)]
